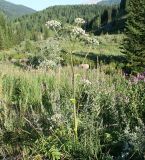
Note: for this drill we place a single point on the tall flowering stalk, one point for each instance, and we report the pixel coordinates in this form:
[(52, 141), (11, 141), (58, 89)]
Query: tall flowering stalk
[(76, 33), (55, 25), (91, 41)]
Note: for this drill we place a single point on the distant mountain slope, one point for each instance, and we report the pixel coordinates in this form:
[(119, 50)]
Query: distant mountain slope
[(33, 26), (63, 13), (118, 21), (109, 2), (13, 10)]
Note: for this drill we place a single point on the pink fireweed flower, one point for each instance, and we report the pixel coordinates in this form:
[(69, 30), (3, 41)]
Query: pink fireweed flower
[(139, 78)]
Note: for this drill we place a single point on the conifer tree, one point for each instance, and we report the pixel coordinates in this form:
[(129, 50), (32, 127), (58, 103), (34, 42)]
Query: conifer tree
[(104, 17), (134, 43), (123, 4)]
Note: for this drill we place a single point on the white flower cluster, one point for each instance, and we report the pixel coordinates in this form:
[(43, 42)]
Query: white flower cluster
[(53, 24), (48, 64), (77, 31), (79, 21), (90, 40)]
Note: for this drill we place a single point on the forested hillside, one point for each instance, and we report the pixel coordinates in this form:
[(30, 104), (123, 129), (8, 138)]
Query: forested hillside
[(109, 2), (65, 14), (113, 20), (99, 19), (13, 10), (96, 18), (8, 34)]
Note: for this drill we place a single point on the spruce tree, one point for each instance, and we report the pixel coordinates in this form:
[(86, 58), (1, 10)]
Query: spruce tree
[(134, 43), (105, 17), (123, 4)]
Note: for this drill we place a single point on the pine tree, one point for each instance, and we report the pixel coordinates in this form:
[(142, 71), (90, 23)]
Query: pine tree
[(123, 4), (114, 14), (134, 43), (104, 17)]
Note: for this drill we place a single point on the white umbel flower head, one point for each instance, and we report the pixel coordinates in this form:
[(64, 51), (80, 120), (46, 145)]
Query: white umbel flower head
[(53, 24), (90, 40), (77, 31), (79, 21)]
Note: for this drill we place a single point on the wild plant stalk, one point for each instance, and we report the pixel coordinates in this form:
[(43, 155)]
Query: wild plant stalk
[(59, 69), (53, 24), (75, 124), (86, 54), (74, 103), (77, 32)]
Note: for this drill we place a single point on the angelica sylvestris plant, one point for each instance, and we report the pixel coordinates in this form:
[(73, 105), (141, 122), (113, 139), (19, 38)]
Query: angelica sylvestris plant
[(76, 33)]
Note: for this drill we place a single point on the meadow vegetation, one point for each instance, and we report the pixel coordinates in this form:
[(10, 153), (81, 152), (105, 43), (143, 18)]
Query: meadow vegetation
[(70, 97), (37, 118)]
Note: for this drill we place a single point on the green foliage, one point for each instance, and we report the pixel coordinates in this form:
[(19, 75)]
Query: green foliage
[(9, 35), (68, 112), (35, 61), (104, 18), (4, 32), (37, 119), (46, 146), (134, 42), (34, 28), (123, 4)]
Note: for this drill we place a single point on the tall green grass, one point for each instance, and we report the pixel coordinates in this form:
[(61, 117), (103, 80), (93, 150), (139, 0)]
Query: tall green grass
[(36, 114)]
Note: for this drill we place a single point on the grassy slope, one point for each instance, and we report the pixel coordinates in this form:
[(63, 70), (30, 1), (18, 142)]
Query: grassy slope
[(109, 46)]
